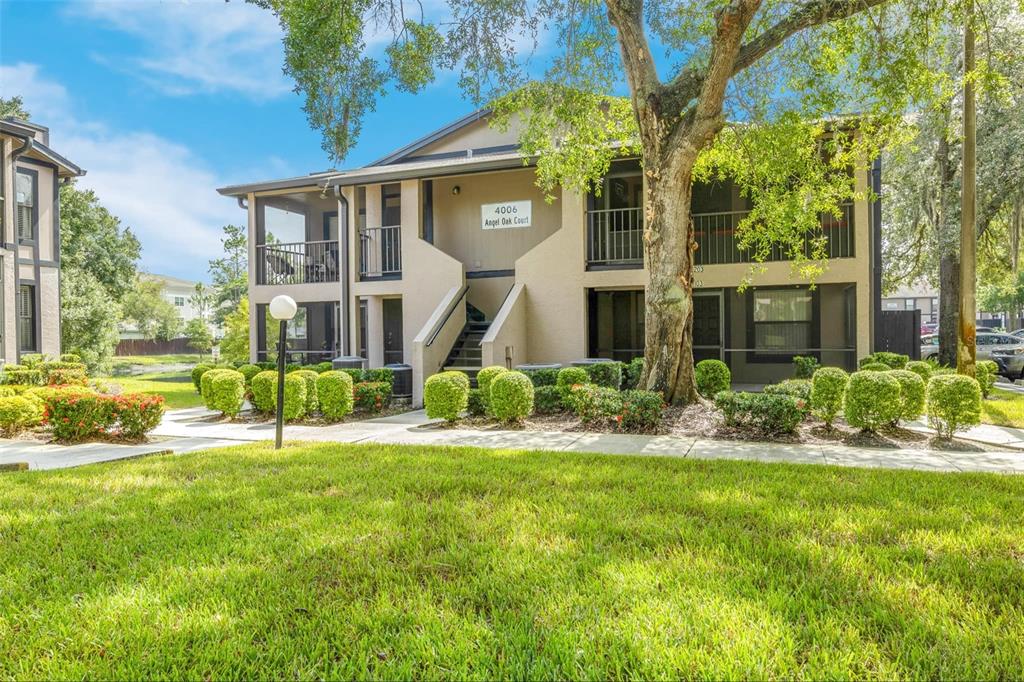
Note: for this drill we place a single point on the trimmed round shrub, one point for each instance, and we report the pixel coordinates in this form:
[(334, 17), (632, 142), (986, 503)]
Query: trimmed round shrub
[(872, 400), (485, 376), (310, 377), (197, 374), (712, 376), (631, 375), (569, 377), (920, 368), (206, 383), (986, 372), (875, 367), (226, 391), (547, 400), (294, 396), (322, 367), (18, 413), (954, 403), (766, 413), (446, 394), (641, 410), (475, 405), (249, 371), (264, 390), (334, 392), (511, 396), (828, 386), (912, 390), (607, 374)]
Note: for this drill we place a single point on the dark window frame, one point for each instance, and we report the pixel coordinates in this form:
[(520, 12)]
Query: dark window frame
[(755, 357), (34, 175), (30, 320)]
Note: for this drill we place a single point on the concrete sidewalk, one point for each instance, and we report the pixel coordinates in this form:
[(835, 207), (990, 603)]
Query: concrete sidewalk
[(413, 428), (197, 428)]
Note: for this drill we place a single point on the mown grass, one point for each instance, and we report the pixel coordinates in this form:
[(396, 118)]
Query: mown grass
[(395, 562), (1003, 408), (176, 388)]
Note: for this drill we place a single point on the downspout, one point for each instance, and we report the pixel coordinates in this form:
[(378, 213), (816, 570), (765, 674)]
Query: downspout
[(876, 249), (242, 204), (346, 342)]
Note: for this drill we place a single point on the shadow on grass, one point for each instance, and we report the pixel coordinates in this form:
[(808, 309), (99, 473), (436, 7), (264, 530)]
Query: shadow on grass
[(375, 561)]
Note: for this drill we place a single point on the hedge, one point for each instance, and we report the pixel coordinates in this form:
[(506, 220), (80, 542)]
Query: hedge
[(475, 405), (712, 376), (765, 413), (24, 377), (547, 400), (18, 413), (334, 391), (920, 368), (264, 391), (796, 388), (197, 374), (484, 377), (641, 410), (547, 376), (249, 371), (446, 394), (380, 374), (953, 403), (631, 374), (312, 401), (607, 374), (912, 394), (73, 418), (804, 366), (569, 377), (986, 372), (591, 403), (71, 357), (511, 396), (67, 377), (206, 382)]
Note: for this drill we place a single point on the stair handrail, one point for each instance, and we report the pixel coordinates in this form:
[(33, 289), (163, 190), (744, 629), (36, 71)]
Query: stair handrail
[(447, 314)]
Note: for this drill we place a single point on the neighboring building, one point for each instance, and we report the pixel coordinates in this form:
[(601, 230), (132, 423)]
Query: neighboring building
[(30, 177), (177, 292), (920, 296), (446, 254)]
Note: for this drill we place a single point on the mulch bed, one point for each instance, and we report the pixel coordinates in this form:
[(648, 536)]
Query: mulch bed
[(702, 421)]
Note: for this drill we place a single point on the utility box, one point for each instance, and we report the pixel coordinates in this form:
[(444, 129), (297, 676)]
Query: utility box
[(402, 389), (348, 362)]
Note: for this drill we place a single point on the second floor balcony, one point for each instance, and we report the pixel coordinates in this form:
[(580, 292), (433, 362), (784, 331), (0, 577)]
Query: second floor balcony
[(297, 263), (380, 252), (615, 238)]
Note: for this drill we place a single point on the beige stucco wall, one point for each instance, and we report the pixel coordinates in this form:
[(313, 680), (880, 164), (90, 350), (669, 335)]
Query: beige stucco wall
[(457, 222), (474, 136), (507, 341), (487, 294), (49, 305)]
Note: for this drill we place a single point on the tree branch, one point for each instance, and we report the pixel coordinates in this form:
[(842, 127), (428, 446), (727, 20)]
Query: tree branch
[(806, 16), (627, 18)]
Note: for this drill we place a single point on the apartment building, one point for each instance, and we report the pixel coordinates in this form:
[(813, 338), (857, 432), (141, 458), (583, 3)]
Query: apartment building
[(176, 291), (445, 254), (30, 177)]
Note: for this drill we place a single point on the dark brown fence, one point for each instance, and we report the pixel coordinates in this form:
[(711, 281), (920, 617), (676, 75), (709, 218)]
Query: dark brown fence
[(900, 332), (153, 347)]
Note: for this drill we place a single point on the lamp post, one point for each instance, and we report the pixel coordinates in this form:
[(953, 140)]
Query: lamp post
[(282, 308)]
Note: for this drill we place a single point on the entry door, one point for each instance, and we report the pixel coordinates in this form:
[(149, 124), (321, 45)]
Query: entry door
[(707, 326), (393, 331)]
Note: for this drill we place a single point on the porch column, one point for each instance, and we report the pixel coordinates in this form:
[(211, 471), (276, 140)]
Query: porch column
[(251, 252), (375, 331), (864, 306)]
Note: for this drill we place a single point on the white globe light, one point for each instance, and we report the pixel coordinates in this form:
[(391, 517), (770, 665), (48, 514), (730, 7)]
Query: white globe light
[(283, 308)]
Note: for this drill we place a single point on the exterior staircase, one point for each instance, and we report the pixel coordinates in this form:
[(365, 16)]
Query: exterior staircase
[(465, 355)]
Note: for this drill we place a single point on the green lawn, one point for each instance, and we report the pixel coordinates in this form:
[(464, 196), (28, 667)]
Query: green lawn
[(176, 388), (399, 562), (146, 360), (1004, 408)]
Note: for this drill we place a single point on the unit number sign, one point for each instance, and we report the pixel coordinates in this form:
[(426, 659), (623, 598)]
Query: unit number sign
[(506, 214)]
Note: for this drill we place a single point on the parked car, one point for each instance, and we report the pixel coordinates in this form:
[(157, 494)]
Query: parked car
[(929, 328), (1006, 350)]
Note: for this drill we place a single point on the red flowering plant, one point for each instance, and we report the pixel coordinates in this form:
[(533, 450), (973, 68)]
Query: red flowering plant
[(641, 410), (74, 417), (137, 414), (372, 396)]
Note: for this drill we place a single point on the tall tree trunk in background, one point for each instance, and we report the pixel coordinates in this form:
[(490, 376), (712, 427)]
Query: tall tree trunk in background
[(949, 308), (1016, 220), (966, 348)]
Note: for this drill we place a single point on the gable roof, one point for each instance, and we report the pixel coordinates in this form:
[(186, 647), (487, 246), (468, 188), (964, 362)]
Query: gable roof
[(402, 152)]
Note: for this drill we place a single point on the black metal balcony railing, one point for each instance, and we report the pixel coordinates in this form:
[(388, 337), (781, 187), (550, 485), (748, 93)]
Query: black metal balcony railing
[(297, 263), (380, 252), (615, 237)]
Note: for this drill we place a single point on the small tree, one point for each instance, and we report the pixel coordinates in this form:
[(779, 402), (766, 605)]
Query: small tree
[(153, 315), (234, 345), (229, 274), (199, 336), (88, 327)]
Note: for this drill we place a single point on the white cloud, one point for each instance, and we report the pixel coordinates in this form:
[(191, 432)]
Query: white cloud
[(201, 46), (159, 188)]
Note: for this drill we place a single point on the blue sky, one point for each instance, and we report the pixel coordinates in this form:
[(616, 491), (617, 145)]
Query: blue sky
[(163, 101)]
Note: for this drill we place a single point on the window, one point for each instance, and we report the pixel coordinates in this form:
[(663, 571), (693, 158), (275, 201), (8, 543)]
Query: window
[(179, 301), (782, 321), (27, 318), (25, 189)]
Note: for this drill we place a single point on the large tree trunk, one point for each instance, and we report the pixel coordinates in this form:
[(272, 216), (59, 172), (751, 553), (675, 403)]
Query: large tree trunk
[(949, 308), (669, 248)]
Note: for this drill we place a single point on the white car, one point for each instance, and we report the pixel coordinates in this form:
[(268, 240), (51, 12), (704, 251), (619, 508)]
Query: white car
[(1006, 350)]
